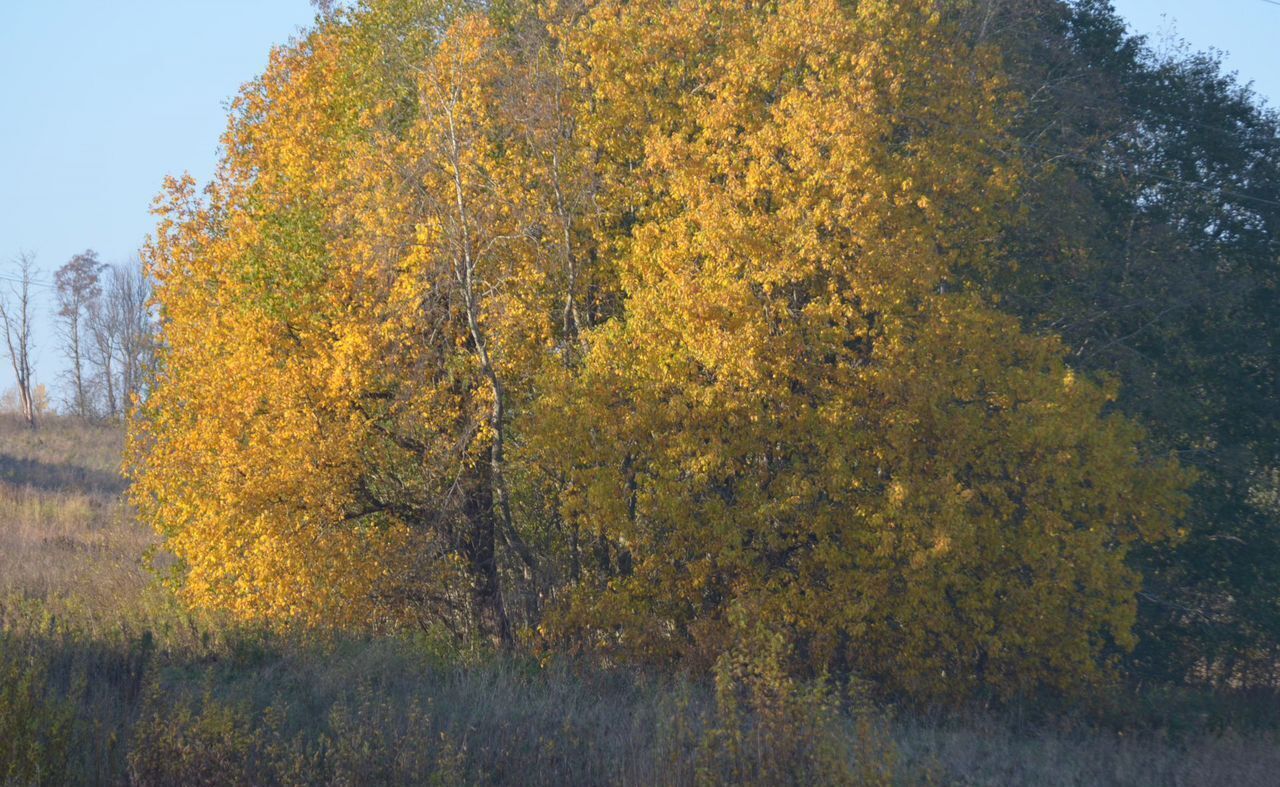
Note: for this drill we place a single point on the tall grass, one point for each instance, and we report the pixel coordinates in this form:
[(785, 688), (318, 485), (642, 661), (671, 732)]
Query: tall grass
[(63, 527), (105, 679)]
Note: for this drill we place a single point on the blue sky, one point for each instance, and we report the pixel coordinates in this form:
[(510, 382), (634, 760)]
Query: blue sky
[(100, 100), (1248, 31)]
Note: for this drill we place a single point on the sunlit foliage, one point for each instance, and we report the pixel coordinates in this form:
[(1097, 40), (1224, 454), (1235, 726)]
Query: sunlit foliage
[(647, 313)]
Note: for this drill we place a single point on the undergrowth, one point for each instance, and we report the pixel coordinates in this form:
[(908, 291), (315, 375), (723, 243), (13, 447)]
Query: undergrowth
[(106, 679)]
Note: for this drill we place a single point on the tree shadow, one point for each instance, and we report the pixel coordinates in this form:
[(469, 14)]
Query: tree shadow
[(58, 477)]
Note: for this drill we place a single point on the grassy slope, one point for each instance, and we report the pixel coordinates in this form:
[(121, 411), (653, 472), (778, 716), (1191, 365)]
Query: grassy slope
[(104, 679), (62, 527)]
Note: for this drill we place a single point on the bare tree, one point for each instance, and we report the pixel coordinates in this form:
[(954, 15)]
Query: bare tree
[(79, 287), (104, 335), (121, 336), (131, 297), (15, 313)]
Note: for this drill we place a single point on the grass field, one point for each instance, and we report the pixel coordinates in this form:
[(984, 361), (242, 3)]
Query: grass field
[(104, 679)]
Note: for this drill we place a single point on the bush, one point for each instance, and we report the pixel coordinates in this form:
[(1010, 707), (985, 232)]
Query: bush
[(37, 726)]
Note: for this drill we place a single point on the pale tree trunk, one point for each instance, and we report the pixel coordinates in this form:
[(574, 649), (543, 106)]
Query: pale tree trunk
[(477, 230), (481, 547), (15, 313), (77, 366)]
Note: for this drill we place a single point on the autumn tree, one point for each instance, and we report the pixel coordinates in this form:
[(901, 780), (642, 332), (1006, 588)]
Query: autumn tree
[(253, 454), (362, 299), (801, 414), (653, 315)]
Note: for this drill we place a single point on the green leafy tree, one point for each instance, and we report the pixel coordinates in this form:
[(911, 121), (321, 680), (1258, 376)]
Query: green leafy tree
[(1150, 245)]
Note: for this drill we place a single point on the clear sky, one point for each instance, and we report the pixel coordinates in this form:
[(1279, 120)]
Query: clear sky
[(100, 100), (1248, 31)]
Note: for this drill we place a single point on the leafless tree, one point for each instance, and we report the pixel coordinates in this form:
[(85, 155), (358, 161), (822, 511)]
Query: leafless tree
[(131, 296), (120, 331), (79, 286), (15, 313), (104, 344)]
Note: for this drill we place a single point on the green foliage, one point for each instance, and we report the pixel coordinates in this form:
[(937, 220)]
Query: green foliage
[(37, 726), (1150, 243)]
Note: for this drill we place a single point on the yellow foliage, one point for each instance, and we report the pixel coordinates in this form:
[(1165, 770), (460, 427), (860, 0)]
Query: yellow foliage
[(652, 309), (801, 410), (342, 312)]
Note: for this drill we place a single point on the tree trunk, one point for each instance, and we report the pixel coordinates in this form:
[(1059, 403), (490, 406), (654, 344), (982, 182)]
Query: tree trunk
[(77, 365), (28, 406), (479, 549)]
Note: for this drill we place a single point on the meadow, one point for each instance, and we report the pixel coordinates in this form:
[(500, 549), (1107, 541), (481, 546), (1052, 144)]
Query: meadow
[(106, 679)]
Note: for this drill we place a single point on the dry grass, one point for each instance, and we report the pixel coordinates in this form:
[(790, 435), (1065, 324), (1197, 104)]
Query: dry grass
[(63, 527), (105, 680), (984, 749)]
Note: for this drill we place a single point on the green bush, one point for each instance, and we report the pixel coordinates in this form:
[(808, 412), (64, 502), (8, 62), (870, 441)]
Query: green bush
[(37, 725)]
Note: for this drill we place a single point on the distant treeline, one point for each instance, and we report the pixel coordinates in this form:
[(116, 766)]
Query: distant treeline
[(105, 332)]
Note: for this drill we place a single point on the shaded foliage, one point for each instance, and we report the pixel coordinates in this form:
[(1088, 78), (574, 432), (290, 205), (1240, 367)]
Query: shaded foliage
[(1150, 245)]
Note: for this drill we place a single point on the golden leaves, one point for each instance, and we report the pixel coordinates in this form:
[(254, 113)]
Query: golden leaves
[(805, 403), (697, 268)]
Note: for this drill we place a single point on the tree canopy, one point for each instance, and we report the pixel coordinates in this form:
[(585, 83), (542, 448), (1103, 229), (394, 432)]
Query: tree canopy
[(610, 325)]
